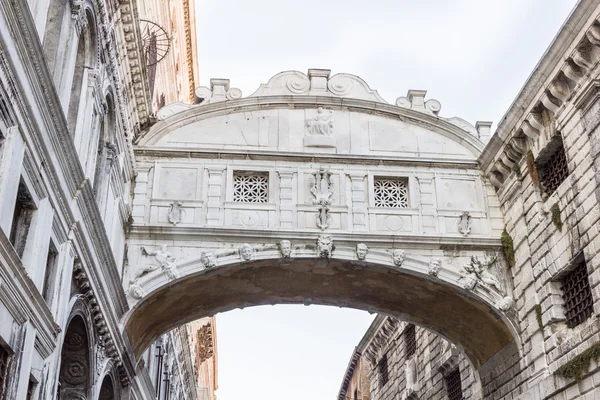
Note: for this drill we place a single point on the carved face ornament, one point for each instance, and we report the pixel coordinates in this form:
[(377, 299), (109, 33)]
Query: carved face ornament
[(208, 259), (361, 251), (285, 246), (398, 257), (246, 252)]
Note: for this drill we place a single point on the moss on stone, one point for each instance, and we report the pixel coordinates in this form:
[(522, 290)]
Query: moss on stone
[(532, 169), (538, 316), (517, 170), (555, 211), (508, 247), (579, 365)]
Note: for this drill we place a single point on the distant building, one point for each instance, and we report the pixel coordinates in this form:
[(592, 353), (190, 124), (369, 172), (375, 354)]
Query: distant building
[(203, 341), (169, 35), (399, 361)]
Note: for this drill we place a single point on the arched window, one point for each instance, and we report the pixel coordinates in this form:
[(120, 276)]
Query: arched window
[(106, 153), (75, 372), (107, 390)]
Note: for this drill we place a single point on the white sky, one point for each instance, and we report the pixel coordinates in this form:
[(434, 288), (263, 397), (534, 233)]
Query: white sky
[(471, 55)]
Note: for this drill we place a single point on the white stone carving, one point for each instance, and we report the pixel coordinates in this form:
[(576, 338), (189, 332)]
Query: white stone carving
[(505, 304), (298, 83), (478, 272), (176, 213), (136, 291), (208, 259), (285, 247), (246, 252), (398, 257), (322, 191), (322, 123), (163, 259), (435, 266), (391, 192), (464, 223), (219, 91), (250, 188), (361, 251), (325, 246), (415, 100), (172, 109)]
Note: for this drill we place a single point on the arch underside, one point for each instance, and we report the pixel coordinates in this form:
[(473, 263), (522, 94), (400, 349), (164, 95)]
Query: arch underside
[(463, 319)]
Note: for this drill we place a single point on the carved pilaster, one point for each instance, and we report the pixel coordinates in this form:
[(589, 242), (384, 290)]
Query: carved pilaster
[(359, 201), (214, 203), (286, 199), (428, 207)]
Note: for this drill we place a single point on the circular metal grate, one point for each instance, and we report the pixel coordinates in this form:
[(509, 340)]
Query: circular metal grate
[(156, 42)]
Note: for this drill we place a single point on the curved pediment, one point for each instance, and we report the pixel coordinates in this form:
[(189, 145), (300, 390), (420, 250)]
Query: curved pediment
[(315, 113)]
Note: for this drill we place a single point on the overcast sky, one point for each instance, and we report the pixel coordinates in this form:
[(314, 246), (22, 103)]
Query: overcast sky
[(471, 55)]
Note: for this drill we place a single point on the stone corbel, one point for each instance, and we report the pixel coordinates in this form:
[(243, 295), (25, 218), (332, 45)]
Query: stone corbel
[(550, 102), (560, 89)]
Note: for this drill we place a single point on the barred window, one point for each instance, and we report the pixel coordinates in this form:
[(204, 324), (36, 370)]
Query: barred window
[(391, 192), (4, 361), (382, 369), (553, 168), (577, 294), (410, 340), (250, 187), (453, 385)]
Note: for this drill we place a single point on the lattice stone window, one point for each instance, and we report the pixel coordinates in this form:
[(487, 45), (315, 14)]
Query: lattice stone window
[(552, 168), (453, 385), (382, 369), (391, 192), (577, 294), (250, 187), (410, 340), (4, 361)]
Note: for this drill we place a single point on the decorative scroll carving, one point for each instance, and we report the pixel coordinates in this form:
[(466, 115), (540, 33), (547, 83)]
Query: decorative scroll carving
[(322, 190), (176, 213), (464, 223), (435, 266), (325, 246), (208, 259), (246, 252), (361, 251), (398, 257)]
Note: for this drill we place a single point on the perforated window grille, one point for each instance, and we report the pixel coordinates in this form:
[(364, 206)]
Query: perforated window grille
[(4, 360), (553, 171), (391, 192), (382, 369), (410, 340), (453, 385), (577, 294), (250, 187)]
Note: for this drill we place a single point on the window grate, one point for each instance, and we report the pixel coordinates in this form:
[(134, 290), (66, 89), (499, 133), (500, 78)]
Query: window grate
[(453, 385), (410, 340), (382, 368), (577, 294), (554, 171), (391, 192), (4, 362), (250, 187)]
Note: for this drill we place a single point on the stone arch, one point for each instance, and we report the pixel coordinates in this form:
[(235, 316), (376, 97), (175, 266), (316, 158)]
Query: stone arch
[(85, 59), (107, 149), (76, 367), (469, 318), (108, 389)]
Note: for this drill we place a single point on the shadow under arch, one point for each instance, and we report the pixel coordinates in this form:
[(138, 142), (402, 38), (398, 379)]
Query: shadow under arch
[(459, 316)]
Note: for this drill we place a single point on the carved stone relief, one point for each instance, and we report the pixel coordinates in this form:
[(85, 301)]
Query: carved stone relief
[(285, 247), (361, 251), (325, 246), (435, 266), (163, 259), (246, 252), (208, 259), (322, 190), (320, 129), (398, 257), (176, 213), (464, 223), (479, 273)]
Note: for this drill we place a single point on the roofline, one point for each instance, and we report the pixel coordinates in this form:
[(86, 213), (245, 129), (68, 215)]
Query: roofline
[(554, 54)]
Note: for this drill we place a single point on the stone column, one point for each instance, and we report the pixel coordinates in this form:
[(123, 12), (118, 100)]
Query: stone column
[(286, 199), (214, 203), (359, 200)]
